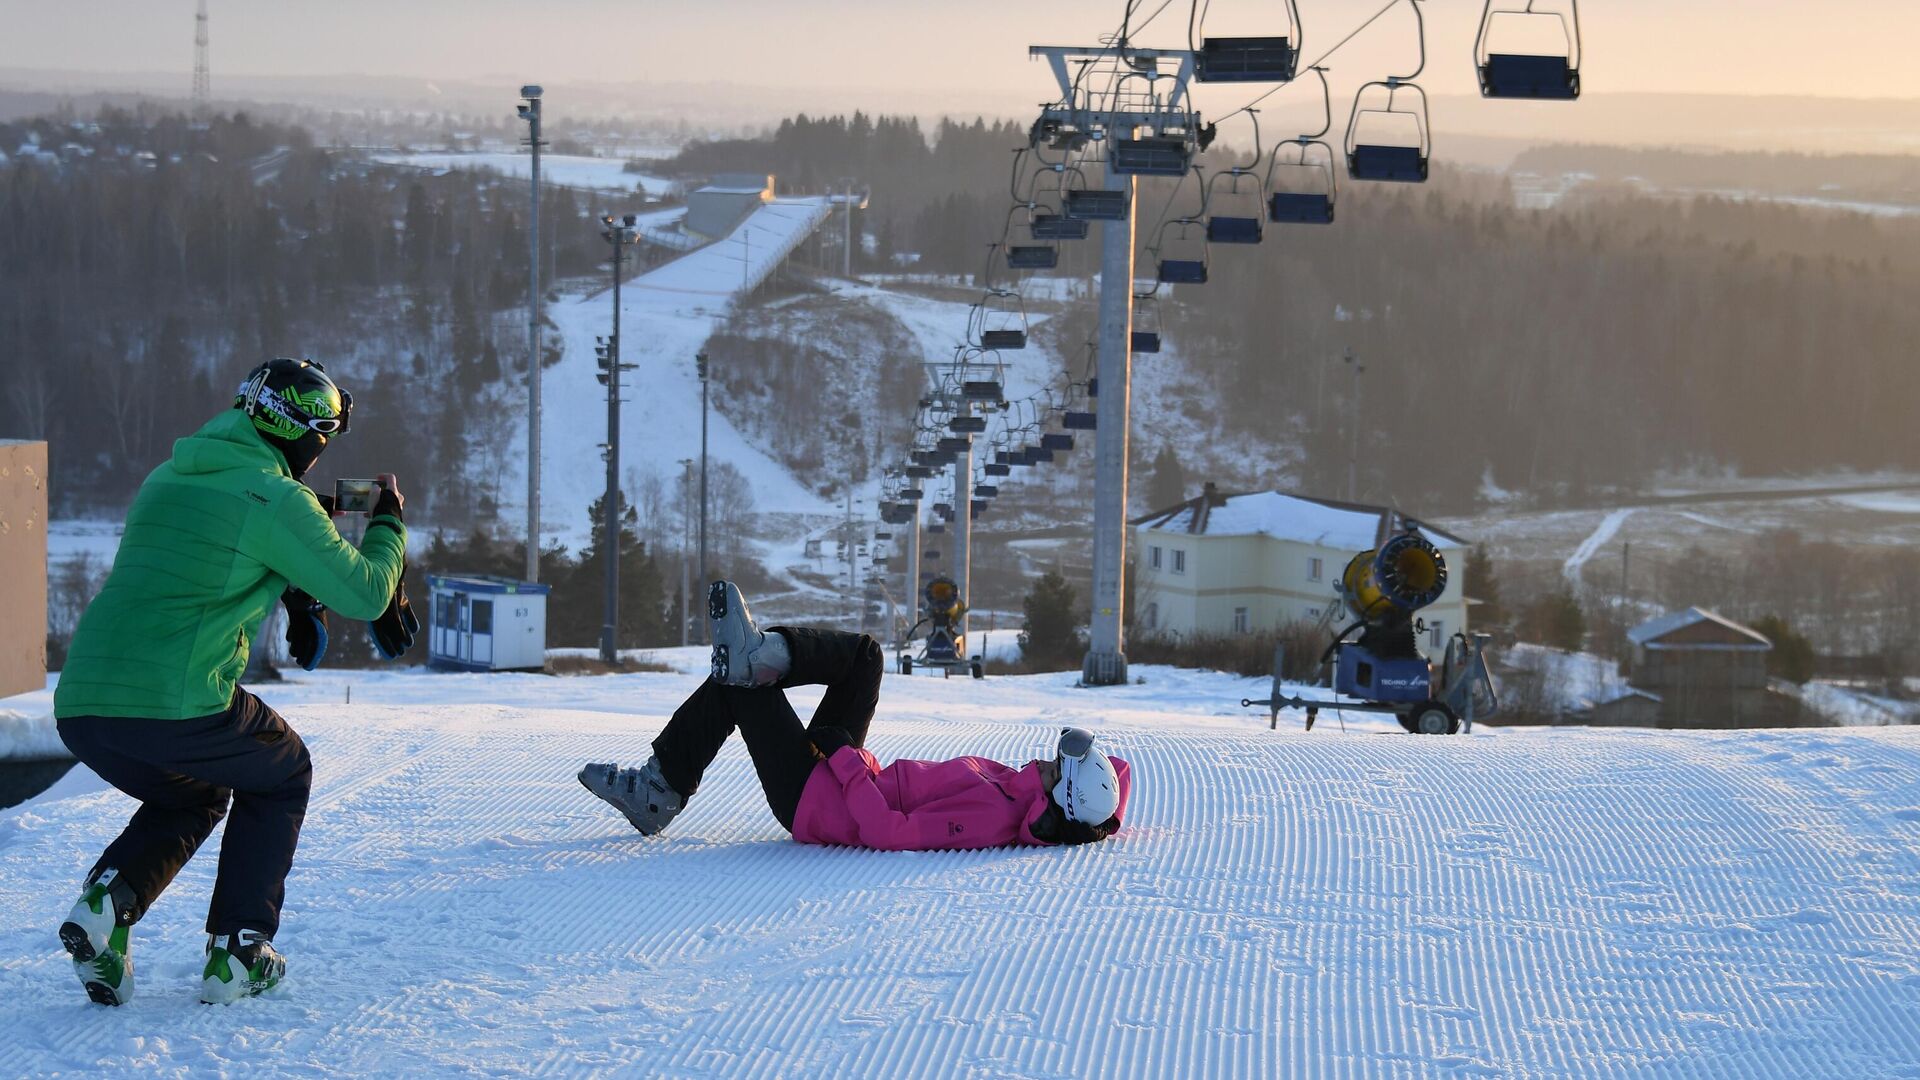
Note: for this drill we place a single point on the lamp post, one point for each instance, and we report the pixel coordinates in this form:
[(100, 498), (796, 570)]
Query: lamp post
[(530, 112), (618, 234)]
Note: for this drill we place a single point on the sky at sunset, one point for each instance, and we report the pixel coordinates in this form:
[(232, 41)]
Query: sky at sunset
[(971, 53)]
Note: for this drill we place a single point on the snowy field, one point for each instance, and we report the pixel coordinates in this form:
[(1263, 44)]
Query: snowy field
[(560, 170), (1514, 903)]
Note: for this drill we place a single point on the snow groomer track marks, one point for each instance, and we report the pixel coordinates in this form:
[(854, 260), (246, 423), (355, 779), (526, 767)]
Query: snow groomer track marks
[(1512, 903)]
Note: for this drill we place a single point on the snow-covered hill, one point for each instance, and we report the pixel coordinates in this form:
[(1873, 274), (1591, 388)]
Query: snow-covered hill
[(1515, 903)]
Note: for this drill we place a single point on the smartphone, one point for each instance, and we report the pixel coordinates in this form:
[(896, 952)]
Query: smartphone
[(355, 496)]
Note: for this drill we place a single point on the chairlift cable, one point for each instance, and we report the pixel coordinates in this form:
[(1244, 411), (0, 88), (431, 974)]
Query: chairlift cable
[(1391, 4)]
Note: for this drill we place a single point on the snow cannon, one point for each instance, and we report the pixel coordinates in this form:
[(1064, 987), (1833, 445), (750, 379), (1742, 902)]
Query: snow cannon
[(1383, 670), (946, 646), (1396, 579)]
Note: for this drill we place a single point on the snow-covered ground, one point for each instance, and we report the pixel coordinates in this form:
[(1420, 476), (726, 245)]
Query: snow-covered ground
[(667, 314), (560, 170), (1545, 902)]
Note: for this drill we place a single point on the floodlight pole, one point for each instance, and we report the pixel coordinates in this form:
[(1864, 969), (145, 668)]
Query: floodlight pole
[(530, 112), (1106, 660)]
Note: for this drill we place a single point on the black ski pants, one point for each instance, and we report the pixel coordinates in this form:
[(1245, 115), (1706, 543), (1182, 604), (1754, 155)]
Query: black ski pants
[(185, 772), (784, 751)]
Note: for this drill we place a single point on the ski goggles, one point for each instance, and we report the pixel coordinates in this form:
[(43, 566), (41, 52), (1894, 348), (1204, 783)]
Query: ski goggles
[(255, 394)]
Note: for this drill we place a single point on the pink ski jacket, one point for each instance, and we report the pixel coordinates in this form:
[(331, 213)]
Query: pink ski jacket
[(968, 802)]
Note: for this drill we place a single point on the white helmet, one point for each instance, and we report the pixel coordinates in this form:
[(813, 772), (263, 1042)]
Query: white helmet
[(1089, 786)]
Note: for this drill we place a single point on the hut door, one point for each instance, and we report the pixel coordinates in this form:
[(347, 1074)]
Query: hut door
[(482, 637)]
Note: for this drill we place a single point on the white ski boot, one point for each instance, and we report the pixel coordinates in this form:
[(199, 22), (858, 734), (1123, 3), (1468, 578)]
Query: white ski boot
[(743, 654), (97, 934), (239, 965), (642, 794)]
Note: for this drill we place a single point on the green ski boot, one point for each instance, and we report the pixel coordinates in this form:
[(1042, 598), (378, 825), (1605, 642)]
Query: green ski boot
[(97, 936), (239, 965)]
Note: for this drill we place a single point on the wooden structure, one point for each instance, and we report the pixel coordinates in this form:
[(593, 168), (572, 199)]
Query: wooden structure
[(1697, 669), (23, 566)]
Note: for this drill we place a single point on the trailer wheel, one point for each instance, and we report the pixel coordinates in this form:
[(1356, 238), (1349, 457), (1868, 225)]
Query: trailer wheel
[(1431, 718)]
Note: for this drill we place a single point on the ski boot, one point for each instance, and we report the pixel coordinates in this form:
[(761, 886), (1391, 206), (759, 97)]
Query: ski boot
[(642, 794), (743, 654), (97, 934), (239, 965)]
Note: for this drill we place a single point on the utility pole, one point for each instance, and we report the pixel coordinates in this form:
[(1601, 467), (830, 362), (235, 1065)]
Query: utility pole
[(846, 269), (530, 112), (618, 235), (1114, 119), (1353, 429), (700, 365)]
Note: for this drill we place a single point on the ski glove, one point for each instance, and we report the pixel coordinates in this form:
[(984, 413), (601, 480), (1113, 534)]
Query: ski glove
[(393, 631), (306, 628)]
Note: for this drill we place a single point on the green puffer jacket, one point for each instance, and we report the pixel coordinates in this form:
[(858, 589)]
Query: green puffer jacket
[(212, 540)]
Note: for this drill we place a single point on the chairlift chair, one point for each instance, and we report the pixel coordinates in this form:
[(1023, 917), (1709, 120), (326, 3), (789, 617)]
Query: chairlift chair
[(912, 494), (997, 468), (1302, 184), (1086, 204), (967, 425), (1187, 264), (1048, 225), (1037, 454), (1056, 440), (1398, 142), (982, 390), (1220, 59), (1145, 337), (1549, 75), (985, 491), (1242, 222), (1038, 254), (999, 320)]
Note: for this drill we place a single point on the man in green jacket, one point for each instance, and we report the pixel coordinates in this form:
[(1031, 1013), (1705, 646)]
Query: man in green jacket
[(149, 698)]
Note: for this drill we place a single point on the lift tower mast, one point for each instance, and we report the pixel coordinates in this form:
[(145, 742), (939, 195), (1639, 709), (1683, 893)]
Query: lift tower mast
[(1112, 118)]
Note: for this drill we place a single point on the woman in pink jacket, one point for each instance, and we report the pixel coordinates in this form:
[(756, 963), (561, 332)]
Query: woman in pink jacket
[(821, 782)]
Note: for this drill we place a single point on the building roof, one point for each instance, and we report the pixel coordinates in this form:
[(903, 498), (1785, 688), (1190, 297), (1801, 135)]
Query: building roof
[(486, 583), (1301, 518), (1697, 628)]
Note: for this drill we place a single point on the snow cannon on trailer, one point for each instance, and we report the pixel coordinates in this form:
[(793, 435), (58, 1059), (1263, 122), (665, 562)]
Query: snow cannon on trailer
[(946, 645), (1383, 669)]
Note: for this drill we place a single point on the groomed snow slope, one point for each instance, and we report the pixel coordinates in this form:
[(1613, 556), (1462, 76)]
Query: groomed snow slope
[(1545, 903)]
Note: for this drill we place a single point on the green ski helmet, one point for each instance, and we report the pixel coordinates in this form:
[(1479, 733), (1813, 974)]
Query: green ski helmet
[(296, 407)]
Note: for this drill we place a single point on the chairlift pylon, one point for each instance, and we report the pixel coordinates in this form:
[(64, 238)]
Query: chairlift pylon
[(1401, 156), (1550, 75), (1223, 59)]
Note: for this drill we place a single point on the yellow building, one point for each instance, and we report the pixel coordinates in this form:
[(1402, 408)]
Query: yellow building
[(1241, 563)]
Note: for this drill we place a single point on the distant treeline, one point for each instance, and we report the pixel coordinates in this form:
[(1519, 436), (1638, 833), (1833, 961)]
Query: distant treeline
[(1864, 177), (147, 262), (1554, 351)]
